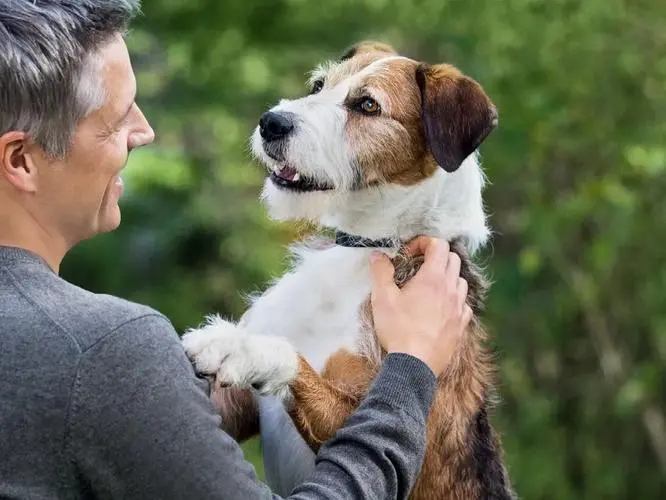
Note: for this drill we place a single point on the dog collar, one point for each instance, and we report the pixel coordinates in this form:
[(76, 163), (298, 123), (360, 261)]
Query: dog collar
[(353, 241)]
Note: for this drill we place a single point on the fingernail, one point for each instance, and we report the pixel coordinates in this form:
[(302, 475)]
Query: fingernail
[(375, 256)]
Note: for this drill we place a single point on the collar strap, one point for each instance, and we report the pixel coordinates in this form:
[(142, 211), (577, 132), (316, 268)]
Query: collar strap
[(354, 241)]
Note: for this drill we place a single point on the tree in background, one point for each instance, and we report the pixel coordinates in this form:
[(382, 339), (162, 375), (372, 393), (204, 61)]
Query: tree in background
[(578, 176)]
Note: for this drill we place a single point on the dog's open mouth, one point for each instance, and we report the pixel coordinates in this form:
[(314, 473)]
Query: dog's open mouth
[(289, 178)]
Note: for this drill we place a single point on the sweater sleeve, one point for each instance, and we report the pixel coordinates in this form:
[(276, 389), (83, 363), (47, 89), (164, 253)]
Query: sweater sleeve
[(141, 425)]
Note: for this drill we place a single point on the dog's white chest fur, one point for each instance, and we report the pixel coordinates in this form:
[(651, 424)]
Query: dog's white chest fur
[(317, 305)]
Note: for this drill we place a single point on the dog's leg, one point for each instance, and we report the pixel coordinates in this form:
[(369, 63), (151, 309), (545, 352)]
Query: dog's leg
[(321, 403), (318, 404), (238, 360)]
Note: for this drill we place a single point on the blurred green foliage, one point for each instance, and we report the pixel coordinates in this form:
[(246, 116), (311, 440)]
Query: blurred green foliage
[(577, 200)]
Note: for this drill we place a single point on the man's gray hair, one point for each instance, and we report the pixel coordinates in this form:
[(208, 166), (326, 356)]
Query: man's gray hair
[(48, 69)]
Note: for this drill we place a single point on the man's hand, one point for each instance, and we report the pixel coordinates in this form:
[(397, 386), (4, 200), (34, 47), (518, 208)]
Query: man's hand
[(428, 316)]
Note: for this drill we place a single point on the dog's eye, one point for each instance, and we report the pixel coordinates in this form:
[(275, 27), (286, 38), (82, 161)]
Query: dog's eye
[(369, 106), (317, 86)]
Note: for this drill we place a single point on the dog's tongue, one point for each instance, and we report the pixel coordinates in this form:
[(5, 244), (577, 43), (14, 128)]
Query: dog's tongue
[(288, 173)]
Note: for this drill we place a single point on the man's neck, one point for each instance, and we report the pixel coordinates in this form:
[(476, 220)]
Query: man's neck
[(21, 230)]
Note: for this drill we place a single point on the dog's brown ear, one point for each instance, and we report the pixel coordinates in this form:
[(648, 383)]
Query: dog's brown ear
[(457, 114), (366, 46)]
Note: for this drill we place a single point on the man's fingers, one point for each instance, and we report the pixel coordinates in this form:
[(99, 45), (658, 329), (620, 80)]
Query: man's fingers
[(418, 245), (425, 245), (466, 317), (382, 273), (462, 288), (452, 269), (435, 257), (461, 295)]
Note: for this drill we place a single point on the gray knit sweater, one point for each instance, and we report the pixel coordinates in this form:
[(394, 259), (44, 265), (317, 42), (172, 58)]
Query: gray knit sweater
[(98, 400)]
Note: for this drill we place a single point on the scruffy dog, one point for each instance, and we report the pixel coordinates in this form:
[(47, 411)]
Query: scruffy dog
[(384, 148)]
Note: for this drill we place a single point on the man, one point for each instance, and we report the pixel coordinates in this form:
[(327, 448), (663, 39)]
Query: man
[(98, 396)]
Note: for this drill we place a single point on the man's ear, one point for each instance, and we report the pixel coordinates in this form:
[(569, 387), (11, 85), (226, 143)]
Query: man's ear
[(457, 114), (16, 162)]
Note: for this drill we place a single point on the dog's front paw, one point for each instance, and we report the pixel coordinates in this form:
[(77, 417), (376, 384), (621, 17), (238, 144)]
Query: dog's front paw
[(201, 344), (237, 359)]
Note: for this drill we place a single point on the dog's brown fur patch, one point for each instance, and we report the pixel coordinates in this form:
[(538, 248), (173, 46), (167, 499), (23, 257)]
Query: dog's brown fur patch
[(367, 47), (338, 73), (390, 147), (463, 457), (430, 115)]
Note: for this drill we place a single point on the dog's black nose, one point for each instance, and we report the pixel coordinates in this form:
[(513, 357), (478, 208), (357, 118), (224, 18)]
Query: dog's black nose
[(273, 126)]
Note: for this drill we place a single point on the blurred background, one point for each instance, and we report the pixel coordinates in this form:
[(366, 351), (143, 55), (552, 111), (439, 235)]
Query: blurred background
[(577, 201)]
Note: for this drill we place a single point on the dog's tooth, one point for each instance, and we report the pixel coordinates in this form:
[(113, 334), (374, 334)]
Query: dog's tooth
[(296, 177)]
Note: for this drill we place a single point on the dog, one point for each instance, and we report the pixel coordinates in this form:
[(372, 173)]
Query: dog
[(382, 149)]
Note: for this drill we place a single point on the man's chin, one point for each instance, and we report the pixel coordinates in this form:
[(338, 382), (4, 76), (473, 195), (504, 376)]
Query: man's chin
[(110, 221)]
